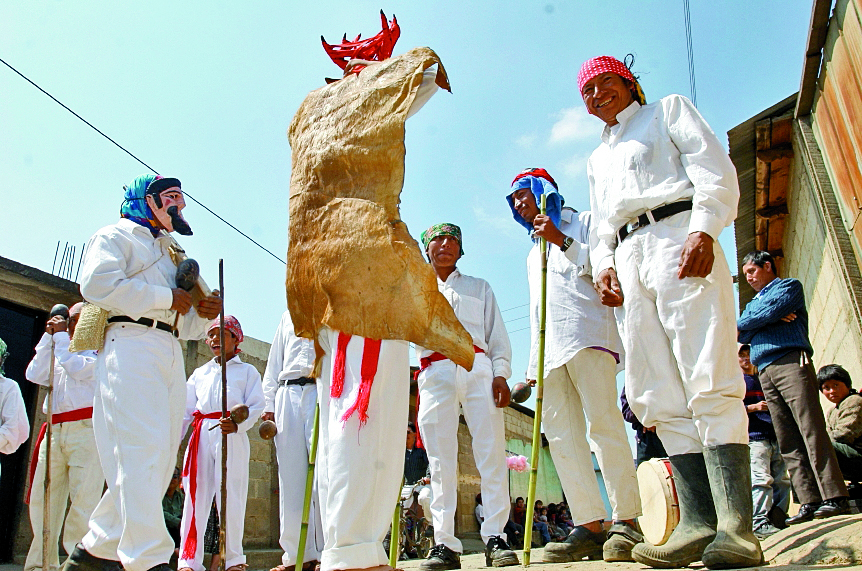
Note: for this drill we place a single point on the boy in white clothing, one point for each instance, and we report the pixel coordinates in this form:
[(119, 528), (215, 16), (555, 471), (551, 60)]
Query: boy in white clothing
[(202, 464)]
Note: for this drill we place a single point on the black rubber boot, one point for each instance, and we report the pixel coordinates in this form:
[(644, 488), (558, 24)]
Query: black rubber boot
[(697, 520), (81, 560), (734, 545)]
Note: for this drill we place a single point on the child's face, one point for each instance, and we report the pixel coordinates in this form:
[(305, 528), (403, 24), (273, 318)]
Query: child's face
[(834, 391), (213, 342)]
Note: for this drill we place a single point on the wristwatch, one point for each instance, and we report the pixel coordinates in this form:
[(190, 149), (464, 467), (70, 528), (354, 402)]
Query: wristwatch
[(566, 243)]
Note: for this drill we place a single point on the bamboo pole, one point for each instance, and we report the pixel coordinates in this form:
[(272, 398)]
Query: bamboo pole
[(224, 414), (309, 487), (537, 418), (395, 534)]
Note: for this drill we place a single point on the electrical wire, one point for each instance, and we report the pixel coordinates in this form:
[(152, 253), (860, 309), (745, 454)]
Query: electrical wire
[(688, 41), (128, 152)]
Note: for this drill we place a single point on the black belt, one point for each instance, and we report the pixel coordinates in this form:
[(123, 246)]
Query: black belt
[(146, 322), (657, 214), (301, 381)]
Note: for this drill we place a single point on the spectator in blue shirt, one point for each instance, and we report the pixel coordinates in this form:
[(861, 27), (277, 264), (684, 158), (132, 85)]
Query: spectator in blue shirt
[(775, 324)]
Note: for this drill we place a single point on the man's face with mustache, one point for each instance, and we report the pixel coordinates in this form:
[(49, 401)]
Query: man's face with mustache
[(168, 213)]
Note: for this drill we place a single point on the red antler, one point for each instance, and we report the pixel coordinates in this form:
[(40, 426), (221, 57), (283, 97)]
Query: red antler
[(376, 48)]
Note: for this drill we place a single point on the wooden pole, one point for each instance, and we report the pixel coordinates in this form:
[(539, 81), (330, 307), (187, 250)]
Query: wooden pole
[(309, 488), (224, 414), (537, 418), (46, 496), (395, 534)]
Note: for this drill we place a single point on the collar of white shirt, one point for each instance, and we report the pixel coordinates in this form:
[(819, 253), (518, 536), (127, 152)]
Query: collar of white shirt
[(622, 117)]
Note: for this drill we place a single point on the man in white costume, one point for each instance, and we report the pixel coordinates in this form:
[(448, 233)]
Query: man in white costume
[(582, 353), (291, 399), (14, 426), (138, 408), (661, 189), (76, 473), (202, 472), (445, 388)]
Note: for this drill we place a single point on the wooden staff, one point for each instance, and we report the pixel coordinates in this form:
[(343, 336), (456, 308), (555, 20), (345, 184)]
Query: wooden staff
[(224, 414), (309, 487), (537, 418), (46, 496), (395, 534)]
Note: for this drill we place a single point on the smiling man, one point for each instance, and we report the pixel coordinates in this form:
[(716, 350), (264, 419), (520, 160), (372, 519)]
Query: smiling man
[(138, 408), (662, 188), (582, 353), (482, 393), (775, 324)]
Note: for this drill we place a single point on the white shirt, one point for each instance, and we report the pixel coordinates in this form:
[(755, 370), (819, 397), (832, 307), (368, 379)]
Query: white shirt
[(203, 391), (575, 317), (290, 357), (14, 427), (129, 272), (660, 153), (476, 308), (74, 373)]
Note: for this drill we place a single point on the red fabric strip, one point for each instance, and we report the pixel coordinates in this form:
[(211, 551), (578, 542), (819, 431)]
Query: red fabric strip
[(425, 362), (58, 418), (191, 470), (339, 366), (370, 358)]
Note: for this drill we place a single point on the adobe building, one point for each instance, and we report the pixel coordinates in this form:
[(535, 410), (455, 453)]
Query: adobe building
[(798, 164), (26, 296)]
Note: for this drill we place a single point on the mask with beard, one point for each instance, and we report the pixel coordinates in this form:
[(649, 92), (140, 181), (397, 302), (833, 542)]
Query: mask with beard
[(178, 222)]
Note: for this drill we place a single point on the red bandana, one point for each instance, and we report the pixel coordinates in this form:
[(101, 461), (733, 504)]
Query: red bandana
[(599, 65)]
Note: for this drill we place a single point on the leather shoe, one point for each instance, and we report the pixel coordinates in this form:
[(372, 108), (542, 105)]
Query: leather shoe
[(833, 507), (580, 543), (806, 513)]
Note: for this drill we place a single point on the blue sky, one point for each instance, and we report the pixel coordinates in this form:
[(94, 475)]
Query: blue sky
[(205, 91)]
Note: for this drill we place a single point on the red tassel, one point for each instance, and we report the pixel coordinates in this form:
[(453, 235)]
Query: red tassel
[(339, 366), (370, 359), (190, 469), (418, 434)]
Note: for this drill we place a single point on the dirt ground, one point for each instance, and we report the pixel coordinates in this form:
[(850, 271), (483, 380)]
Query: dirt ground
[(824, 544)]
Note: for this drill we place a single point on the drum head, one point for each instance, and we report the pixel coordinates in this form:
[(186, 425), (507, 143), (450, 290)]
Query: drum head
[(658, 500)]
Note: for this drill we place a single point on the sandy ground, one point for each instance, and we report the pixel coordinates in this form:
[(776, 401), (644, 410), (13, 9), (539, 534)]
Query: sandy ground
[(834, 543)]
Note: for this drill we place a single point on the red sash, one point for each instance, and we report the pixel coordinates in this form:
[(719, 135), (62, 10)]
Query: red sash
[(57, 418), (425, 362), (191, 470)]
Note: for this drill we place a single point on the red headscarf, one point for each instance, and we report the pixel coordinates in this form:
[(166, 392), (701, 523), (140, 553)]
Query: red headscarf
[(599, 65), (231, 324)]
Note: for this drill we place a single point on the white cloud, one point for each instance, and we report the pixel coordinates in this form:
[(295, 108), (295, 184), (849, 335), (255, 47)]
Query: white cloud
[(526, 141), (575, 167), (573, 124), (498, 223)]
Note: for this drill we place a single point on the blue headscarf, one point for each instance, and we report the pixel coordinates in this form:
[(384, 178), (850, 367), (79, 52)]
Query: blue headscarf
[(135, 206), (539, 182)]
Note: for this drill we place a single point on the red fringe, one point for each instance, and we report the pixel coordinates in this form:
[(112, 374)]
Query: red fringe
[(190, 468), (339, 366), (370, 359)]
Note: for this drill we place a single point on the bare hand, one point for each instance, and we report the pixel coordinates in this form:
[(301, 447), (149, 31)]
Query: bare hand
[(758, 407), (182, 300), (209, 307), (426, 480), (531, 382), (353, 63), (608, 287), (228, 426), (697, 256), (789, 317), (56, 324), (649, 428), (500, 390), (268, 416), (543, 227)]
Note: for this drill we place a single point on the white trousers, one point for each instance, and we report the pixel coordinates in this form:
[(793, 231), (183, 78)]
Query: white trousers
[(294, 417), (208, 486), (682, 374), (424, 498), (443, 387), (586, 385), (361, 467), (137, 418), (76, 475)]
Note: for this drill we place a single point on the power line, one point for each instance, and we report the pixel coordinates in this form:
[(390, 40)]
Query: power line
[(688, 42), (515, 319), (128, 152), (516, 307)]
